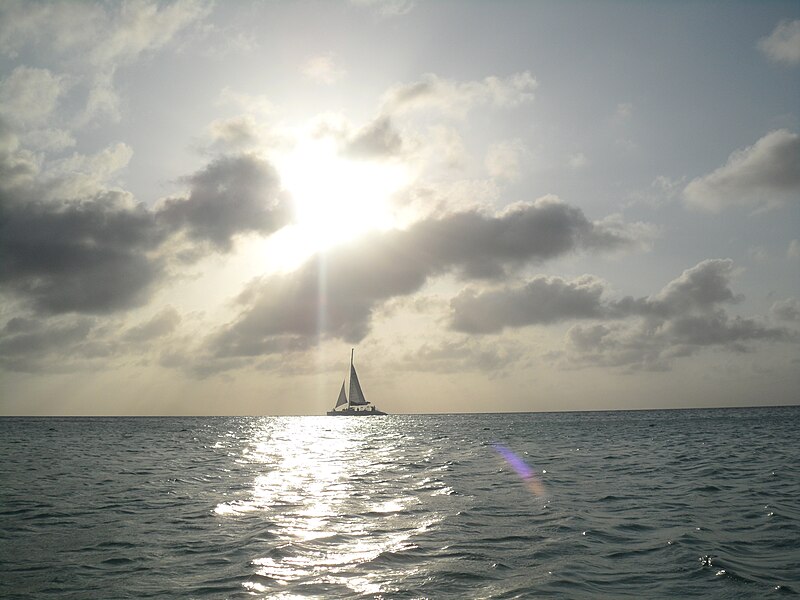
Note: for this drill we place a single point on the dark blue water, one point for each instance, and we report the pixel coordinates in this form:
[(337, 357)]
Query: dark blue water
[(702, 503)]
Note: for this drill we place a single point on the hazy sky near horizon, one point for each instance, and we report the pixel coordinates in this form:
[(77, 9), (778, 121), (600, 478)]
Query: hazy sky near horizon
[(503, 206)]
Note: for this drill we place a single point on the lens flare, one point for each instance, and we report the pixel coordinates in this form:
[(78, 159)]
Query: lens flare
[(528, 475)]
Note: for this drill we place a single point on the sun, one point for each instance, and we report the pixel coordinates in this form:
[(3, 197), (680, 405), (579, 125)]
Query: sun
[(336, 198)]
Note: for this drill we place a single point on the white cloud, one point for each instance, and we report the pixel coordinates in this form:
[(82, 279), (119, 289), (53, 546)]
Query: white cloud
[(83, 175), (256, 104), (29, 94), (234, 133), (91, 40), (145, 26), (577, 160), (503, 159), (323, 69), (49, 140), (793, 251), (783, 44), (102, 35), (456, 98), (761, 176), (102, 101)]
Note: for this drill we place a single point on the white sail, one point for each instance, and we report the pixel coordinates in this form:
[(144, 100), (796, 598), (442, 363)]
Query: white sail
[(356, 395), (342, 397)]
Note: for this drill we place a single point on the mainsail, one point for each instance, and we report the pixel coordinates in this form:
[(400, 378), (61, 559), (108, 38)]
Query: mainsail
[(356, 395), (342, 398)]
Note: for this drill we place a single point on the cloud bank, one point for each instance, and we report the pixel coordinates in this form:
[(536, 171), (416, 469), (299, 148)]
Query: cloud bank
[(70, 244), (685, 316), (335, 294)]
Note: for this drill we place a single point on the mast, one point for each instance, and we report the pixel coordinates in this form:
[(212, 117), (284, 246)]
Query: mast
[(356, 396), (350, 395)]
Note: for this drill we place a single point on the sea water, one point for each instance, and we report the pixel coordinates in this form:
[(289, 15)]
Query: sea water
[(683, 503)]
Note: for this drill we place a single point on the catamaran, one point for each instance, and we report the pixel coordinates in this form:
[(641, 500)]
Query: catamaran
[(356, 404)]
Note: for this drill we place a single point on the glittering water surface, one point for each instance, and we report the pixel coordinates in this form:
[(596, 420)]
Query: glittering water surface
[(702, 503)]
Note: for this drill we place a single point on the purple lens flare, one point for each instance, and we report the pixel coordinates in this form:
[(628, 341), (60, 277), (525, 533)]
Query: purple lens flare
[(528, 475)]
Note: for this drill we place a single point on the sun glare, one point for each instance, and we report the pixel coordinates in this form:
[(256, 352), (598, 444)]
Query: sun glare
[(337, 198)]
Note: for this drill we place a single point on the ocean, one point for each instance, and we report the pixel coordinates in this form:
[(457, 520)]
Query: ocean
[(645, 504)]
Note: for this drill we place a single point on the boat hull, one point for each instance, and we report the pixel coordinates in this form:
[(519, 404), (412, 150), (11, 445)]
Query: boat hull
[(355, 413)]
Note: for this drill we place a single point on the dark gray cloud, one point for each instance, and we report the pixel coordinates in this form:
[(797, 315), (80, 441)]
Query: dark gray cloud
[(764, 175), (26, 343), (159, 325), (378, 139), (88, 255), (701, 288), (542, 300), (334, 295), (686, 315), (787, 310), (104, 252), (458, 356), (456, 98), (232, 195)]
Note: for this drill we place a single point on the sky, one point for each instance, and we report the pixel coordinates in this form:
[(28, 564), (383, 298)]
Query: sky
[(502, 206)]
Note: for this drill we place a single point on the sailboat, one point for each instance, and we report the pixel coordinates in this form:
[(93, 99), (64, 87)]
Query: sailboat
[(356, 404)]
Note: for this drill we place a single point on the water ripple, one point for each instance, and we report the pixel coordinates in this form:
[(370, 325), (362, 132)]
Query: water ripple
[(654, 504)]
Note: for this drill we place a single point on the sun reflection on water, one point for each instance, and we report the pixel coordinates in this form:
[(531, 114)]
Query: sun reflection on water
[(332, 498)]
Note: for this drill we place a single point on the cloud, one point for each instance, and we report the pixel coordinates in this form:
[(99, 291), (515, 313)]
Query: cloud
[(158, 326), (323, 69), (68, 243), (235, 133), (683, 317), (65, 343), (783, 44), (503, 159), (697, 289), (91, 41), (102, 101), (18, 167), (49, 139), (101, 34), (786, 310), (577, 160), (256, 104), (334, 295), (542, 300), (793, 250), (232, 195), (686, 316), (25, 343), (455, 98), (90, 255), (81, 175), (30, 95), (378, 139), (467, 354), (761, 176)]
